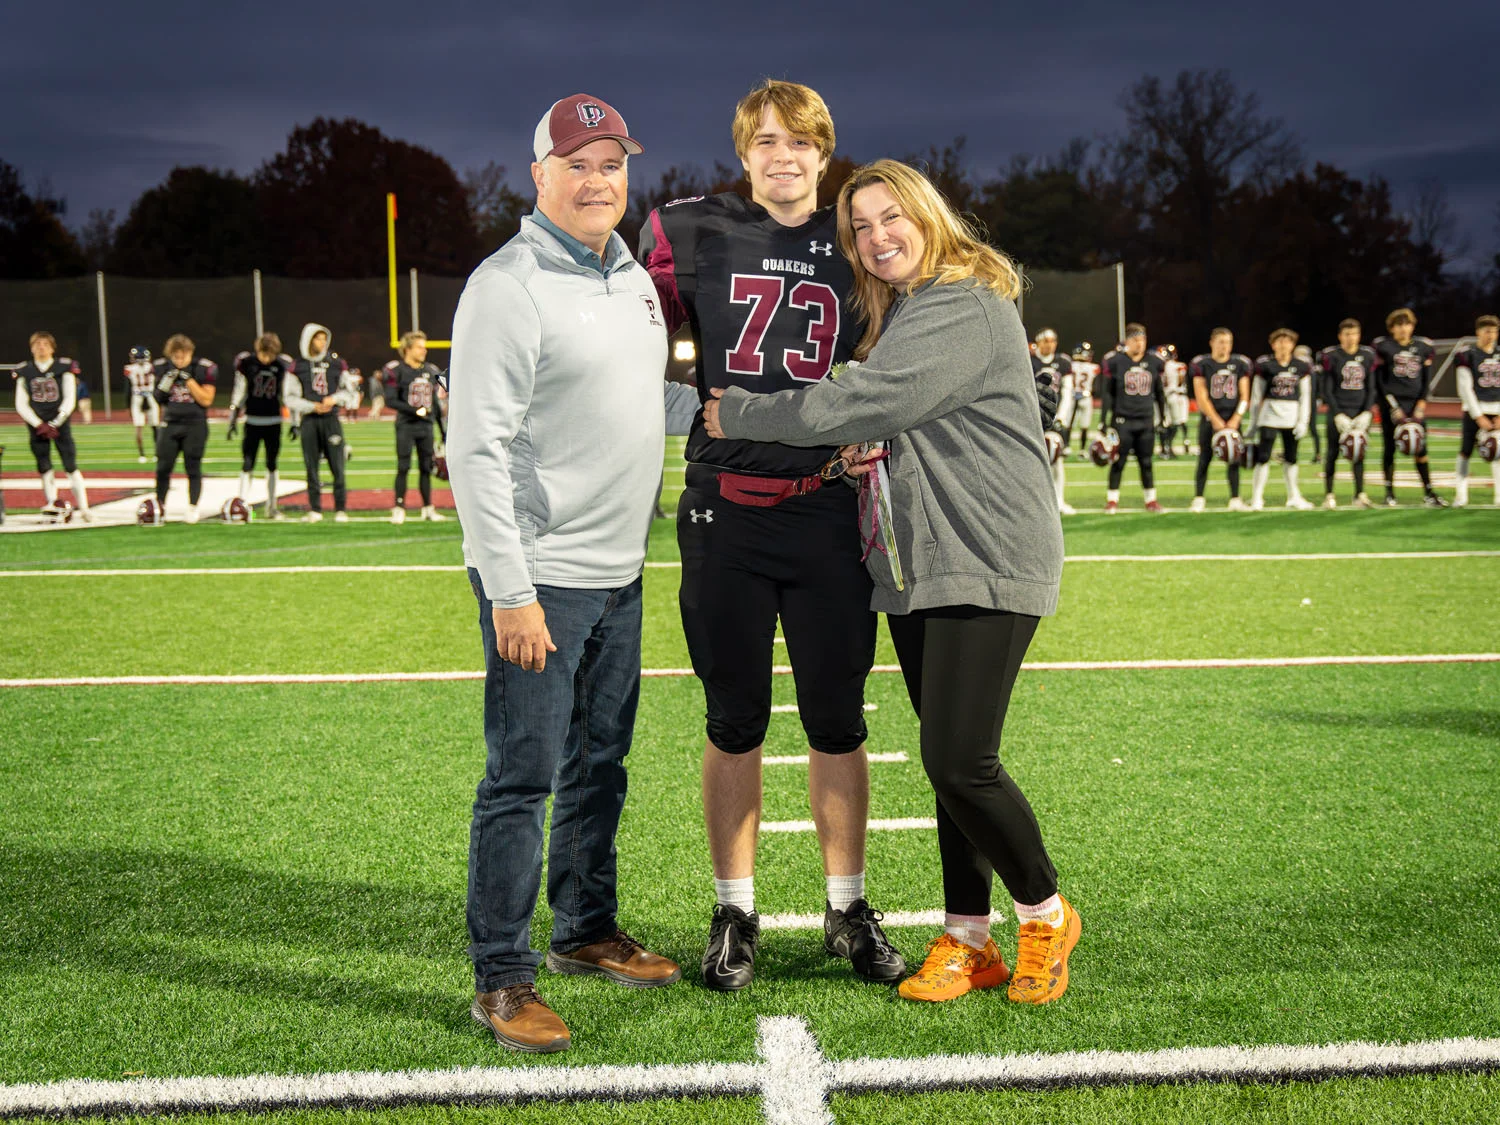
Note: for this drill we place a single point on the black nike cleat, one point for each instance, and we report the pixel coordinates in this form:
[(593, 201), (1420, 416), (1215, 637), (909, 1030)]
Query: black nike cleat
[(855, 935), (729, 960)]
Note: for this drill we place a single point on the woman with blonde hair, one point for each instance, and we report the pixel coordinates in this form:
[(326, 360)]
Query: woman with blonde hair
[(977, 549)]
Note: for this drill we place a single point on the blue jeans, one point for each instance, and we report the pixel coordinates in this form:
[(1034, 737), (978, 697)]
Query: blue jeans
[(565, 732)]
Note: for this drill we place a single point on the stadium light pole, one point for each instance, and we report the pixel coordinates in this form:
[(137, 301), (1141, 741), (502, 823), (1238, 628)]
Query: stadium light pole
[(260, 310), (1120, 296), (416, 325), (103, 340)]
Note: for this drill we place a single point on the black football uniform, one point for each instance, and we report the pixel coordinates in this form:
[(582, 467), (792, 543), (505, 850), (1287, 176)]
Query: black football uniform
[(1279, 388), (1478, 390), (769, 309), (1222, 383), (1132, 392), (185, 425), (311, 381), (257, 393), (1401, 381), (1348, 387), (412, 393), (48, 398), (1054, 371)]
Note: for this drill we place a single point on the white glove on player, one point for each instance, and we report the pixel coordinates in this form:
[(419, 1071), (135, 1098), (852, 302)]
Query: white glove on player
[(1342, 423), (164, 384), (1299, 431), (1362, 422)]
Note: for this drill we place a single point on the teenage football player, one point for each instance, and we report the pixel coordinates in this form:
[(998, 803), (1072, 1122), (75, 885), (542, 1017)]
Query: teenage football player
[(1057, 372), (411, 390), (1131, 396), (259, 376), (185, 387), (144, 409), (1280, 404), (768, 296), (314, 391), (46, 396), (1477, 366), (1084, 372), (1221, 387), (1402, 381), (1347, 370), (1175, 385)]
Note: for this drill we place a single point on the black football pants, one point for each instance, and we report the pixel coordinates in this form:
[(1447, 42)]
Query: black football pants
[(323, 436), (190, 439), (1388, 446), (1206, 456), (960, 665), (414, 435), (41, 449), (255, 437), (1137, 440), (1331, 458)]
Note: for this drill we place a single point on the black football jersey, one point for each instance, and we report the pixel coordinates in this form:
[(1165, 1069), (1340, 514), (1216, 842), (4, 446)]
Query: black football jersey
[(262, 383), (1133, 388), (1054, 369), (769, 308), (409, 388), (1348, 378), (176, 398), (1485, 367), (1283, 380), (320, 377), (1405, 369), (1222, 380), (46, 390)]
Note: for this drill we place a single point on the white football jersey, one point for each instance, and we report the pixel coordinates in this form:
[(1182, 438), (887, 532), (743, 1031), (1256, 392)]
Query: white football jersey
[(1174, 377)]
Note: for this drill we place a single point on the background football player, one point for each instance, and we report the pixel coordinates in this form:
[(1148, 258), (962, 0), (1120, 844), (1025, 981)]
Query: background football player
[(144, 409), (1280, 405), (1402, 381), (1085, 370), (46, 395), (1175, 385), (185, 387), (1221, 387), (410, 387), (1478, 369), (259, 376), (767, 293), (1347, 373), (1131, 397), (1057, 371), (314, 391)]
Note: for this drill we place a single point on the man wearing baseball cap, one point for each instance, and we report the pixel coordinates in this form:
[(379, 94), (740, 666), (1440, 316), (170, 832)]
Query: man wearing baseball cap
[(557, 418)]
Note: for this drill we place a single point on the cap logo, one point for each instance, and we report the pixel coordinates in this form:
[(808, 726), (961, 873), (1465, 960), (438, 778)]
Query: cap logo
[(591, 114)]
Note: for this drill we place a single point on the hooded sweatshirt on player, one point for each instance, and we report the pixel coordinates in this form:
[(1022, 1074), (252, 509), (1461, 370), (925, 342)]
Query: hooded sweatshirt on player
[(314, 377)]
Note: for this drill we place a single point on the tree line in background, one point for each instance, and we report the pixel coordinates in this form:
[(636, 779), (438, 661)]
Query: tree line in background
[(1206, 200)]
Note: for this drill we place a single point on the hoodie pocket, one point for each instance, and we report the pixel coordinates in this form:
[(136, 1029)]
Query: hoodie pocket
[(914, 537)]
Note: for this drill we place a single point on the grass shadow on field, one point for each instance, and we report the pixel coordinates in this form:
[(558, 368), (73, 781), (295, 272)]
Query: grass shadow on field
[(206, 922), (1465, 723)]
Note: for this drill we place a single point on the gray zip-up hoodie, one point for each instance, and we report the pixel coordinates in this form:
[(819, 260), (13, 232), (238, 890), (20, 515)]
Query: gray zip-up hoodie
[(949, 384), (557, 412)]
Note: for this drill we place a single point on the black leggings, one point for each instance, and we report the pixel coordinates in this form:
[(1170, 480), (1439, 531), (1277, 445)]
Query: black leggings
[(1331, 460), (1137, 440), (1205, 455), (255, 437), (190, 439), (1388, 446), (960, 665), (411, 436), (1267, 443)]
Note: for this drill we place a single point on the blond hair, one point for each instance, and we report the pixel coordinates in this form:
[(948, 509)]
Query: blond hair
[(178, 343), (954, 251), (410, 338), (800, 109)]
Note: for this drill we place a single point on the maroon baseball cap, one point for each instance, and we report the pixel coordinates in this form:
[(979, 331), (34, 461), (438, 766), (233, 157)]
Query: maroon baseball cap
[(573, 122)]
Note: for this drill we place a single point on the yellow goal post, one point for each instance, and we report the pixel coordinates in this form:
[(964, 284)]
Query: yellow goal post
[(390, 249)]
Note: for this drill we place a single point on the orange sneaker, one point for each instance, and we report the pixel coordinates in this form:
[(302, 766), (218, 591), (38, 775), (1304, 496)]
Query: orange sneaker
[(1042, 958), (953, 968)]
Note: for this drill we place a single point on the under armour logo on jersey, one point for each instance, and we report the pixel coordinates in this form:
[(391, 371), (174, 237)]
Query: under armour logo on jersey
[(591, 114), (826, 249), (707, 515)]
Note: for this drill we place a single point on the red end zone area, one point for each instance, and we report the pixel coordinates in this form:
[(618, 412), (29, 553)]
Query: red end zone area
[(368, 499)]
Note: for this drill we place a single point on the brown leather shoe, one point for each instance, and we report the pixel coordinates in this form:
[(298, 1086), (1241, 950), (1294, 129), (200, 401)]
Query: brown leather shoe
[(520, 1020), (620, 958)]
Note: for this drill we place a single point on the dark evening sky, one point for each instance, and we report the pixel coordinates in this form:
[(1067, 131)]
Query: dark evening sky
[(103, 99)]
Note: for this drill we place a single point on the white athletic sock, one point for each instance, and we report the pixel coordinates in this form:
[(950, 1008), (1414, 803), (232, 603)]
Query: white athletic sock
[(1059, 477), (80, 494), (1258, 483), (1495, 476), (1461, 468), (1050, 912), (271, 489), (49, 486), (844, 889), (1150, 495), (244, 492), (1112, 495), (1290, 473), (971, 929), (736, 892)]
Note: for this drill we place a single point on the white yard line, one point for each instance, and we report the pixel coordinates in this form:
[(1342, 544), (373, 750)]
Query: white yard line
[(897, 824), (793, 1080), (801, 759), (388, 568), (791, 708), (778, 669)]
